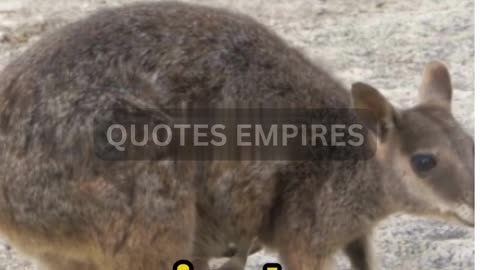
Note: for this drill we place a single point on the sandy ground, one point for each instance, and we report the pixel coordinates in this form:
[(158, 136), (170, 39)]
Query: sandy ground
[(385, 43)]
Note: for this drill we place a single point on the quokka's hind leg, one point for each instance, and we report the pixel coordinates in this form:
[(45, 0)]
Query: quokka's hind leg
[(144, 244), (359, 252), (147, 223)]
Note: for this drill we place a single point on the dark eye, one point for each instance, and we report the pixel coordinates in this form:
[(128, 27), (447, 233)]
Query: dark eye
[(423, 162)]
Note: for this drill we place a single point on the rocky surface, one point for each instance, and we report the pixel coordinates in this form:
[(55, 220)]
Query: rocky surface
[(384, 43)]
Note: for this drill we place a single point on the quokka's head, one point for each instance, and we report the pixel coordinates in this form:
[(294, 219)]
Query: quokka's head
[(429, 155)]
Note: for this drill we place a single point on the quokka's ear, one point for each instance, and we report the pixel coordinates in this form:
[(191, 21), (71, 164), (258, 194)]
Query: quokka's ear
[(373, 109), (436, 85)]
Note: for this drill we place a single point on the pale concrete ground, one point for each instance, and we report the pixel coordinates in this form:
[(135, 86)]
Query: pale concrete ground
[(382, 42)]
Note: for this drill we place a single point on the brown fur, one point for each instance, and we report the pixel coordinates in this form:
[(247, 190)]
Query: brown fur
[(70, 210)]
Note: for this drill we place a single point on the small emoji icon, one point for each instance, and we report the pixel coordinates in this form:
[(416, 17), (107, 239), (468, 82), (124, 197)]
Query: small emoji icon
[(272, 266), (183, 265)]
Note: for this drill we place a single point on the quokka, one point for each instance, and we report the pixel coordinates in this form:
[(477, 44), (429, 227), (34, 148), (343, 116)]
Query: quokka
[(68, 209)]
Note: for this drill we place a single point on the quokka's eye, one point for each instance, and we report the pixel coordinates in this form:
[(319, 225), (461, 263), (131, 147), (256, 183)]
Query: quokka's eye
[(423, 162)]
